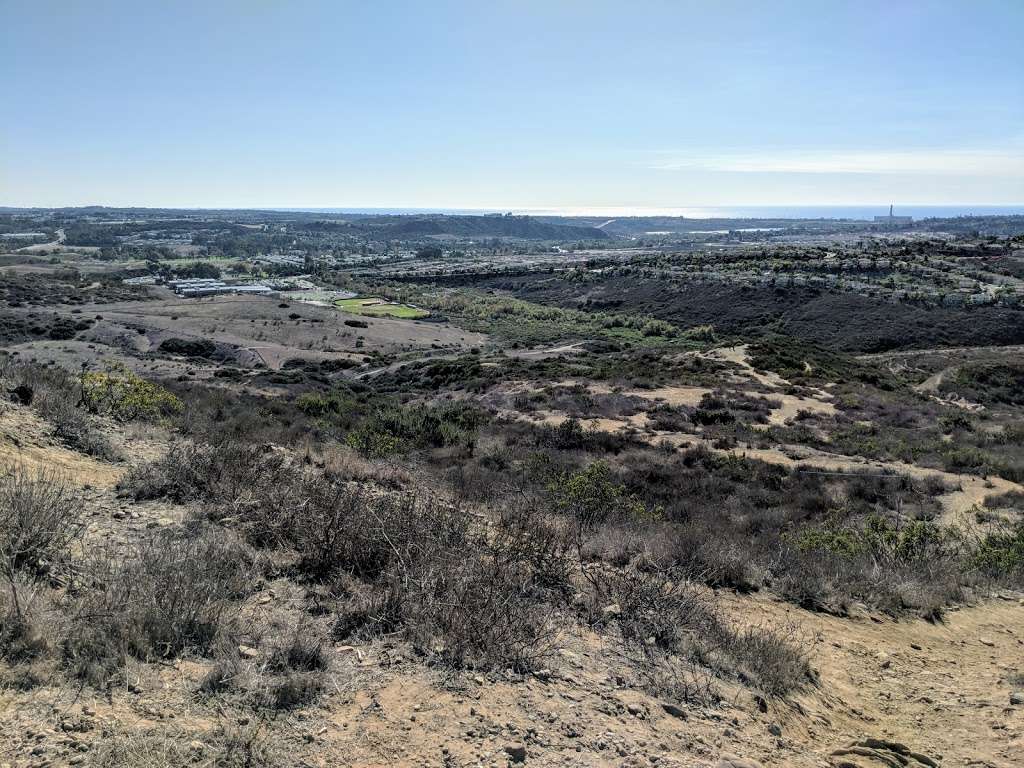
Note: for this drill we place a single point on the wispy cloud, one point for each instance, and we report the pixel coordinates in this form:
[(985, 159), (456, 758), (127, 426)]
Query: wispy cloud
[(970, 162)]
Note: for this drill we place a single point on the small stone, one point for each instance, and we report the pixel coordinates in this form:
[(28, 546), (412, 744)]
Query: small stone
[(516, 752), (636, 710), (247, 652), (673, 710), (775, 729), (612, 610), (732, 761), (1017, 697), (986, 641)]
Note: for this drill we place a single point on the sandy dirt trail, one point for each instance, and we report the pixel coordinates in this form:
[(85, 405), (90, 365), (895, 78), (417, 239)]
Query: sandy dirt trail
[(941, 688), (26, 440)]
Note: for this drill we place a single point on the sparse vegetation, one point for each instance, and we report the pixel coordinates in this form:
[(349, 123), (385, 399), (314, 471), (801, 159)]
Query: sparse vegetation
[(170, 595), (992, 383), (56, 395), (639, 481), (38, 519)]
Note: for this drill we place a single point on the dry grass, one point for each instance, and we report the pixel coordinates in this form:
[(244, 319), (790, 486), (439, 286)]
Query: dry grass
[(225, 747), (55, 394), (172, 595), (38, 519)]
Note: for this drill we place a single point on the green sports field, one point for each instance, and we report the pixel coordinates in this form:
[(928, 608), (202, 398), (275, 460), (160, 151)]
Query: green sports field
[(368, 305)]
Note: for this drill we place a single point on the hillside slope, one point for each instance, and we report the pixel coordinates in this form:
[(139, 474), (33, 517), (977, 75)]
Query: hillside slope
[(943, 690)]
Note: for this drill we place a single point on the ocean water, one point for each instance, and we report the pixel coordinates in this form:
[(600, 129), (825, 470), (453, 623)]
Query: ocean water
[(853, 211)]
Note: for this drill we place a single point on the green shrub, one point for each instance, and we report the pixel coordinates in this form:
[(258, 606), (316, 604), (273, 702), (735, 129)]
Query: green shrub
[(126, 396), (703, 333), (592, 495), (878, 538), (203, 348), (373, 443), (989, 383), (1001, 554), (658, 328), (401, 429), (957, 420), (967, 459), (314, 404), (836, 540)]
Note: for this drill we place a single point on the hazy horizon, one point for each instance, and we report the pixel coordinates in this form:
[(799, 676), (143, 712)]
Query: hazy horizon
[(856, 212), (555, 107)]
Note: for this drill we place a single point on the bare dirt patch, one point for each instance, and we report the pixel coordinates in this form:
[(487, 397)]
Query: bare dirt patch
[(272, 333), (26, 439)]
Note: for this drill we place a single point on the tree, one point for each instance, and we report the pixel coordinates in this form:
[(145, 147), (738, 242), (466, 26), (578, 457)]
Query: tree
[(429, 252)]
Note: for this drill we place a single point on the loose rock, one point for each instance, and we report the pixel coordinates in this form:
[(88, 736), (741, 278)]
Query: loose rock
[(732, 761), (516, 752), (247, 652)]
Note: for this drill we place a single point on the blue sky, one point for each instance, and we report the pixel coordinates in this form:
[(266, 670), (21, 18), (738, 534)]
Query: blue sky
[(511, 105)]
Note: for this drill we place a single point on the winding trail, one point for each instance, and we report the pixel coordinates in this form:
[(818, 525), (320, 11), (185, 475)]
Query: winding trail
[(968, 491)]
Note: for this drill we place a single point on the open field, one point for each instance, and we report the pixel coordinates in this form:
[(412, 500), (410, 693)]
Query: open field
[(254, 331), (380, 308)]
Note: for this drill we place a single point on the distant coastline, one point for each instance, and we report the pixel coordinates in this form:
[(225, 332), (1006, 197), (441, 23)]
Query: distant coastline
[(754, 212), (858, 212)]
